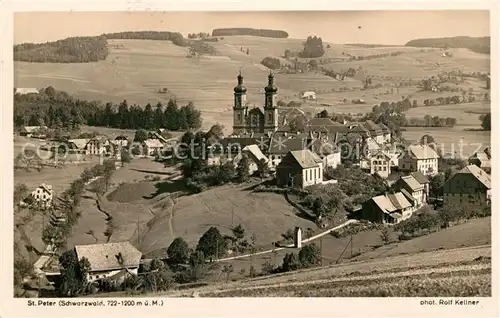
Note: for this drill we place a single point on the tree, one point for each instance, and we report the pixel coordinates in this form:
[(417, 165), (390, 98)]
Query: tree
[(238, 232), (427, 140), (227, 269), (309, 255), (263, 168), (73, 274), (486, 122), (436, 184), (124, 157), (140, 135), (178, 251), (212, 244), (385, 236), (290, 262), (323, 114), (243, 170), (20, 192), (171, 115)]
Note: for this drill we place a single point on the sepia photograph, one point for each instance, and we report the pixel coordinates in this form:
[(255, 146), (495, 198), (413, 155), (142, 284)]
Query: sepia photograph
[(252, 154)]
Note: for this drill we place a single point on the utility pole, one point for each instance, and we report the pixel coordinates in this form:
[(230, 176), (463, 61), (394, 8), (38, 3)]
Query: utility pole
[(138, 233), (351, 245), (321, 250), (232, 217)]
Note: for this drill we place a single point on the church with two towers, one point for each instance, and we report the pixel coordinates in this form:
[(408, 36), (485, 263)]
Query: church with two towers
[(256, 119)]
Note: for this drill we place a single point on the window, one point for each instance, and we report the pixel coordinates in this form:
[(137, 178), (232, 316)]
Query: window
[(385, 168), (314, 174), (238, 117)]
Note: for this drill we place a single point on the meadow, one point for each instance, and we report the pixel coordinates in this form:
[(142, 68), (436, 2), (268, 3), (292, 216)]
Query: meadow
[(136, 69)]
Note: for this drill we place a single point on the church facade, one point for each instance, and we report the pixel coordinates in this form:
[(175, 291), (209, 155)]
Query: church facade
[(255, 119)]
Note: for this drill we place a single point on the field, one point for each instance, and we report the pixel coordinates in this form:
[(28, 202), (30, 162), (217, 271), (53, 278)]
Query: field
[(457, 272), (136, 69)]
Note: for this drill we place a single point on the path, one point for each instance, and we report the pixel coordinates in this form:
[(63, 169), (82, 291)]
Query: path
[(290, 245)]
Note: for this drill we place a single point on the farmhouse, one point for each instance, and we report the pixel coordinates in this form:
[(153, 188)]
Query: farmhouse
[(390, 208), (375, 131), (255, 157), (152, 147), (98, 146), (109, 259), (419, 158), (308, 95), (300, 168), (482, 160), (412, 189), (121, 141), (256, 120), (470, 185), (78, 145), (32, 131), (43, 195)]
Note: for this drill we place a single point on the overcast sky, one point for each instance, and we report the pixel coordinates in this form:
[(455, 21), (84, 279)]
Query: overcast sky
[(377, 27)]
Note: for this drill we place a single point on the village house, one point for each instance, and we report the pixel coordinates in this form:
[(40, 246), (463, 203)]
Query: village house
[(412, 189), (280, 146), (481, 159), (470, 185), (387, 209), (419, 158), (300, 169), (424, 181), (33, 131), (308, 95), (386, 133), (255, 158), (43, 195), (121, 141), (109, 259), (380, 164), (98, 146), (375, 131), (152, 147), (78, 145)]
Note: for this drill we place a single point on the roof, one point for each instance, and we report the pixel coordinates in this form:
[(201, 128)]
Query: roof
[(422, 152), (153, 143), (27, 90), (371, 126), (399, 200), (384, 127), (46, 187), (282, 145), (122, 137), (408, 196), (384, 204), (412, 183), (479, 174), (80, 142), (31, 129), (305, 158), (420, 177), (105, 256), (256, 152)]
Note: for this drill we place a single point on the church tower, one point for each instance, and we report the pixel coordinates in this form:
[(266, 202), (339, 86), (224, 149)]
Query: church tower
[(240, 107), (270, 106)]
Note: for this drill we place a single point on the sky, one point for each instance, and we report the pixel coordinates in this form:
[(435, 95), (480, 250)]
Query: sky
[(377, 27)]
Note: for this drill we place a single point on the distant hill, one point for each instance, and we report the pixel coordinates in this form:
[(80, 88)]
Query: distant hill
[(249, 31), (175, 37), (70, 50), (475, 44)]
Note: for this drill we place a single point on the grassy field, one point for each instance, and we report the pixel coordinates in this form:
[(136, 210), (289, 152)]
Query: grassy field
[(139, 68), (369, 245), (445, 270)]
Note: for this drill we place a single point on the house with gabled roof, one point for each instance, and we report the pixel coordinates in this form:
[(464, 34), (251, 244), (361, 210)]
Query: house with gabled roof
[(99, 145), (470, 185), (152, 147), (375, 131), (255, 157), (419, 158), (299, 169), (43, 195), (33, 131), (380, 164), (412, 189), (109, 259), (386, 132), (387, 209), (482, 159)]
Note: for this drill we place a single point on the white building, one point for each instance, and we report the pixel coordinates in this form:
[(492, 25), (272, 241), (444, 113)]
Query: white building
[(419, 158), (308, 95), (301, 168), (43, 195), (27, 90), (109, 259), (152, 146), (255, 157), (98, 146)]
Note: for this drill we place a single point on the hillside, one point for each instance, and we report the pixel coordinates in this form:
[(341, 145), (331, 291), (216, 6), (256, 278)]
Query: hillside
[(69, 50), (475, 44), (249, 31)]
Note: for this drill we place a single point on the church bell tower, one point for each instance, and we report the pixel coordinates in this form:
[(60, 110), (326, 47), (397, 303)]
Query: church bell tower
[(270, 106), (240, 107)]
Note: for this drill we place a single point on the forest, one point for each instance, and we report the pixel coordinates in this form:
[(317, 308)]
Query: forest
[(175, 37), (71, 50), (58, 110), (475, 44), (249, 31)]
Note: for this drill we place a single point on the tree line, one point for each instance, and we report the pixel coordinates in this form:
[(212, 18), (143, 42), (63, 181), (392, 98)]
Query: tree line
[(313, 47), (58, 110), (475, 44), (175, 37), (69, 50), (431, 121), (268, 33)]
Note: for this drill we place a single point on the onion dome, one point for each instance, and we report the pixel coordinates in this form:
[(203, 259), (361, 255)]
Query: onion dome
[(270, 88), (240, 88)]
